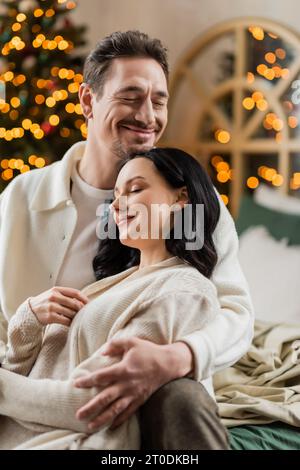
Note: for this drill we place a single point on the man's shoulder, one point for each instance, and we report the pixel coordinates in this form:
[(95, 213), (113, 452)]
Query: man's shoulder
[(25, 184), (225, 222), (34, 175)]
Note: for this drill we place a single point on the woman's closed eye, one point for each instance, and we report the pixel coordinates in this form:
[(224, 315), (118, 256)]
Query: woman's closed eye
[(136, 190)]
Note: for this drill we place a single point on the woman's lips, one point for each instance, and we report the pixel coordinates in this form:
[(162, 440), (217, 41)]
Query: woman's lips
[(125, 219)]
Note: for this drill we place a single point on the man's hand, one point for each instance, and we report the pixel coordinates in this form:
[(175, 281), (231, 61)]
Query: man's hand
[(144, 368)]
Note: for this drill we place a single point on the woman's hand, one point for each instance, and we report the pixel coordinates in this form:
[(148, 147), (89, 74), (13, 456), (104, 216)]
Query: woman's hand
[(57, 305)]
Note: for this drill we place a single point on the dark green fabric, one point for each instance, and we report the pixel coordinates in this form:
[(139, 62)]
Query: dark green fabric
[(275, 436), (279, 224)]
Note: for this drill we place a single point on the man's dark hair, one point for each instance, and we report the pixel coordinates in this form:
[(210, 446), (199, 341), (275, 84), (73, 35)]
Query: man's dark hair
[(117, 45)]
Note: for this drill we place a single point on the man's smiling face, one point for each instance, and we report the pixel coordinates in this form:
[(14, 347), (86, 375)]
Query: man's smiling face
[(130, 114)]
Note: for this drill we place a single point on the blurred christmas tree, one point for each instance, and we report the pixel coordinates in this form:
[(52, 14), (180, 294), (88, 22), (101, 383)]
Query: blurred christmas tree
[(40, 116)]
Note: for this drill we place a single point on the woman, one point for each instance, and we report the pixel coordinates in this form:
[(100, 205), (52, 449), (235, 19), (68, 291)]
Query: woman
[(151, 283)]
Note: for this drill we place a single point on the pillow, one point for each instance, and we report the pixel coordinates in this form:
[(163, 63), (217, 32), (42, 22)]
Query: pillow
[(273, 199), (279, 224), (272, 270)]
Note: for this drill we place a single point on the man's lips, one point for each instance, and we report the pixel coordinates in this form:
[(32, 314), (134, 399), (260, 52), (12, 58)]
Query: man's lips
[(139, 130)]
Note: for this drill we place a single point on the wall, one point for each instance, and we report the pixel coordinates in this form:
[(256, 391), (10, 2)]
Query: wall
[(176, 22)]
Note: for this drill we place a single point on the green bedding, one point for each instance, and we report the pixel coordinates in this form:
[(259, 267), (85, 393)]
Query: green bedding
[(279, 224), (275, 436)]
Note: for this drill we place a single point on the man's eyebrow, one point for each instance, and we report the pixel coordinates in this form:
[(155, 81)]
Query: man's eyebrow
[(129, 181), (130, 88), (137, 89), (162, 94)]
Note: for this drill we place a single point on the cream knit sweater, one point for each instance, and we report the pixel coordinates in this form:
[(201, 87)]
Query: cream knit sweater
[(162, 303)]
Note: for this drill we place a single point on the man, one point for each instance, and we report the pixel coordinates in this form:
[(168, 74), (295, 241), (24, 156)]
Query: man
[(48, 241)]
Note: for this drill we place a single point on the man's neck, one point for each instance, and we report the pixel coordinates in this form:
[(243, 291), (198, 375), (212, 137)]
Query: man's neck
[(97, 168)]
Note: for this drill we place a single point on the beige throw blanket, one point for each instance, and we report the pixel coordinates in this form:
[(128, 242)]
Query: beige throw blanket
[(264, 386)]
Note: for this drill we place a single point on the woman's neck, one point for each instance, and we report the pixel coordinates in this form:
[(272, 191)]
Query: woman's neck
[(152, 256)]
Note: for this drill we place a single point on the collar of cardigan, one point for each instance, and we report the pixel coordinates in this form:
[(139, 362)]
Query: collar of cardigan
[(54, 186)]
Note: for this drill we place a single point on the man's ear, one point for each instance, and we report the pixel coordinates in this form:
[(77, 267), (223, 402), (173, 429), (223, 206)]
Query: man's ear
[(86, 98), (182, 197)]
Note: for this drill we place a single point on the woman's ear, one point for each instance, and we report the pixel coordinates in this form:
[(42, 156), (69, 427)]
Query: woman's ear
[(182, 196), (85, 98)]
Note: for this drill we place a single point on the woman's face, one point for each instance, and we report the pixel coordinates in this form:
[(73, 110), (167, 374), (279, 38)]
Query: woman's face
[(142, 204)]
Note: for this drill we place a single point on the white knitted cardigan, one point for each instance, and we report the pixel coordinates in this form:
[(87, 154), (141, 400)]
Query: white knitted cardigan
[(162, 303)]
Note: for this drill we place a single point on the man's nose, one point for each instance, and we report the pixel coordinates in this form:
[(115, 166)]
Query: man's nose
[(145, 113)]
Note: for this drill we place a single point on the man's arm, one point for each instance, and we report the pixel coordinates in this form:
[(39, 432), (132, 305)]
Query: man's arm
[(3, 322), (228, 337)]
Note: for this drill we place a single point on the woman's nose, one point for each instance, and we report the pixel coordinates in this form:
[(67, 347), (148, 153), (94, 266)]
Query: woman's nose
[(119, 203), (114, 205)]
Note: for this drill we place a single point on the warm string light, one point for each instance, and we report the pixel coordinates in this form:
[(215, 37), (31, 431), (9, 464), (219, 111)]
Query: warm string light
[(295, 181), (16, 27), (272, 69), (47, 93), (27, 125), (58, 42), (293, 122), (21, 17), (257, 32), (10, 134), (257, 99), (272, 122), (222, 136), (225, 199), (15, 43), (9, 165), (252, 182), (69, 4), (271, 175), (224, 172), (276, 71), (84, 130), (250, 77)]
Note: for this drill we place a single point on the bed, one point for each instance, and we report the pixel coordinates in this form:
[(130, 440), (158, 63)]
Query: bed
[(259, 398)]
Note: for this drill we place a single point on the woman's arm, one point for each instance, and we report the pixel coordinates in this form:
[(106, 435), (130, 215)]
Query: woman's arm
[(25, 335), (25, 330), (146, 347), (54, 402), (43, 401)]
